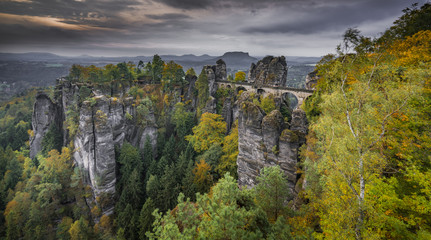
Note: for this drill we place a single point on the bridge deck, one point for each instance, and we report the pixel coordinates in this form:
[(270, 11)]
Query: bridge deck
[(268, 86)]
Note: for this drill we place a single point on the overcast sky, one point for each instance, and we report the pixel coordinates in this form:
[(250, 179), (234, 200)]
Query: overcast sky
[(147, 27)]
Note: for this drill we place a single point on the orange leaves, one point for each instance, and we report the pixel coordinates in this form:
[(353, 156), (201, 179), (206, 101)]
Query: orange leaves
[(412, 50), (10, 206), (202, 174)]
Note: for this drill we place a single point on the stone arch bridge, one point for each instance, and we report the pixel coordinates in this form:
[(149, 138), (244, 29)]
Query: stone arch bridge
[(300, 94)]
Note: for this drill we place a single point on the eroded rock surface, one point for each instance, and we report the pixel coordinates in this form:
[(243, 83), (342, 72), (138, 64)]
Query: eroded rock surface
[(266, 140), (311, 80), (269, 71), (102, 125), (45, 113)]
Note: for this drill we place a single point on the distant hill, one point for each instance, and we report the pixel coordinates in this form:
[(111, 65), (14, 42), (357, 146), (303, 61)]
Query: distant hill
[(30, 56), (237, 60)]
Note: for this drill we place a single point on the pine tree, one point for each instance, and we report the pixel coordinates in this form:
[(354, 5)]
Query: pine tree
[(272, 192), (146, 218)]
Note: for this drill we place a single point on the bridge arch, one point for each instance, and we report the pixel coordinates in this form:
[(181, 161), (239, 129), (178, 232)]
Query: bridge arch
[(240, 88), (291, 98), (260, 91)]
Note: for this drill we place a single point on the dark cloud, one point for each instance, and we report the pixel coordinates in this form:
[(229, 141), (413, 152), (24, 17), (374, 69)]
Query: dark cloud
[(330, 18), (251, 4), (189, 4), (47, 35), (168, 16)]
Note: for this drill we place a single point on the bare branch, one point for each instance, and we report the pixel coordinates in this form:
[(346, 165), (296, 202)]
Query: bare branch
[(385, 119), (349, 183)]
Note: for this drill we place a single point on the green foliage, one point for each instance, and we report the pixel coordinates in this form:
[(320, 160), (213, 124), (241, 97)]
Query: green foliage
[(147, 153), (131, 176), (128, 222), (143, 110), (210, 131), (203, 89), (15, 119), (184, 122), (212, 155), (221, 94), (272, 192), (267, 103), (53, 139), (146, 218), (40, 197), (412, 21), (122, 72), (125, 72), (72, 120), (84, 92), (153, 188), (80, 230), (157, 68), (191, 72), (136, 92), (230, 153), (63, 228), (239, 76), (219, 216), (169, 151), (230, 78), (173, 74)]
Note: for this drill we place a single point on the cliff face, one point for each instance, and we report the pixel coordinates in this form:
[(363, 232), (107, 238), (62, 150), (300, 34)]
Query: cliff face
[(44, 115), (311, 80), (269, 71), (102, 124), (267, 140), (215, 73)]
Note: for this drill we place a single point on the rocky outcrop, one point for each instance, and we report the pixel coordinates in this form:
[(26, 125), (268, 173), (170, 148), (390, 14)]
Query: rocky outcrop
[(211, 77), (220, 70), (266, 140), (215, 73), (191, 94), (227, 113), (268, 71), (210, 106), (311, 80), (104, 122), (45, 113)]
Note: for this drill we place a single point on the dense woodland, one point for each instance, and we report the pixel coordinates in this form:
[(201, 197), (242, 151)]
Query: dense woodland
[(367, 162)]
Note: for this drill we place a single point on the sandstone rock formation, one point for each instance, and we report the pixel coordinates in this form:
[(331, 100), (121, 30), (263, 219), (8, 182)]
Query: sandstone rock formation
[(266, 140), (45, 113), (102, 126), (311, 80), (190, 94), (215, 73), (268, 71)]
